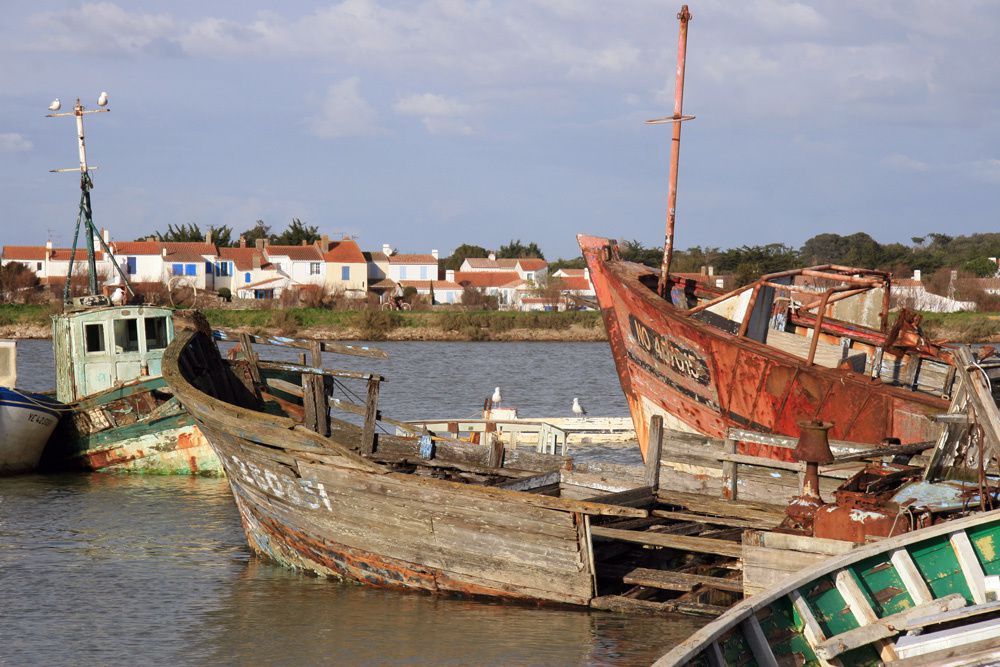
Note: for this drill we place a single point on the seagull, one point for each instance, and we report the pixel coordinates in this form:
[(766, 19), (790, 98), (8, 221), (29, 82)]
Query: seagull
[(496, 396), (102, 101), (577, 408), (56, 105)]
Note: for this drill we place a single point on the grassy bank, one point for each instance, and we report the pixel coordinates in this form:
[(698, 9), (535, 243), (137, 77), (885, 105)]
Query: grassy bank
[(962, 327), (32, 321)]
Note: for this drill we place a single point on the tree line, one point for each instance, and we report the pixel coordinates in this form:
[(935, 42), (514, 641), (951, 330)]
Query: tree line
[(969, 254), (222, 236)]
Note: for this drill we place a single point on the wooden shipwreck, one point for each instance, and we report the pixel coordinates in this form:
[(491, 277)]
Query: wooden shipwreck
[(927, 598)]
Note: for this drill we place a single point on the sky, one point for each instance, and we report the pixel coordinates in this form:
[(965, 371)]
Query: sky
[(430, 123)]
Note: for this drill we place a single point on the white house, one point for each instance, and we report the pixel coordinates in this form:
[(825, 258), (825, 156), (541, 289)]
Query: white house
[(240, 268), (154, 261), (303, 264), (576, 281), (51, 265), (413, 267), (528, 268), (501, 284)]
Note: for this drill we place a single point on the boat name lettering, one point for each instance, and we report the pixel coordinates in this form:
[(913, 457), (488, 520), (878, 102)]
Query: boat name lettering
[(676, 356), (299, 492), (41, 420)]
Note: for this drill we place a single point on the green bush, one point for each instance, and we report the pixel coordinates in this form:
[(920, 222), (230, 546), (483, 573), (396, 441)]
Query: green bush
[(376, 324)]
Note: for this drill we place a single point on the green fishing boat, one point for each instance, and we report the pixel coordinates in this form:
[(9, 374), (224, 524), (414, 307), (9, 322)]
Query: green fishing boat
[(929, 597), (108, 356)]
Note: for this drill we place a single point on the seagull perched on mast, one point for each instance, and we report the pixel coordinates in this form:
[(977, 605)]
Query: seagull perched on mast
[(56, 105), (577, 408), (102, 101), (496, 396)]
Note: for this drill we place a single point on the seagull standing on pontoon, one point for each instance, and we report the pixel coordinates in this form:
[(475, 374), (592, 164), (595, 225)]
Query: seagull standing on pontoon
[(577, 408), (496, 396)]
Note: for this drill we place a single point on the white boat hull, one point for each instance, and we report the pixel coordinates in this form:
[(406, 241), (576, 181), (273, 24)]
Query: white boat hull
[(26, 423)]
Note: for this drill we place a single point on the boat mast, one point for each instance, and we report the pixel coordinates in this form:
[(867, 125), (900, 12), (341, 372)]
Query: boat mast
[(85, 214), (663, 286)]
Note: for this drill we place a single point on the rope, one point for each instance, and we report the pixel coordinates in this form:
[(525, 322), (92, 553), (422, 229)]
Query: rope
[(58, 407)]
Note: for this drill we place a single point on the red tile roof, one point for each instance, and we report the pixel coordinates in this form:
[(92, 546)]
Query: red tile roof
[(573, 273), (413, 259), (243, 257), (296, 253), (575, 284), (189, 248), (532, 263), (37, 253), (482, 263), (136, 247), (484, 279), (344, 252)]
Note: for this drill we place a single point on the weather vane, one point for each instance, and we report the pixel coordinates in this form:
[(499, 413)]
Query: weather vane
[(85, 214)]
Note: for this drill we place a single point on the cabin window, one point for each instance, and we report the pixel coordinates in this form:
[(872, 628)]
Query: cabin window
[(126, 335), (93, 335), (345, 273), (156, 333)]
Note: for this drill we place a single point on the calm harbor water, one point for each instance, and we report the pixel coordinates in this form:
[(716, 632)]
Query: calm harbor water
[(109, 569)]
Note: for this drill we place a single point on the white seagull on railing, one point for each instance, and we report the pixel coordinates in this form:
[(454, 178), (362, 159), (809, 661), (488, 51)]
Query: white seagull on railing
[(56, 105), (577, 408), (496, 396)]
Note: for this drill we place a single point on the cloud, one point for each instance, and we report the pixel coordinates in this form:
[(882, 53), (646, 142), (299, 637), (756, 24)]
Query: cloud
[(345, 113), (906, 163), (438, 113), (12, 142), (104, 28)]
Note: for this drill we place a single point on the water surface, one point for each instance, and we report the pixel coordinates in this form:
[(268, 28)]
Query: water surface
[(119, 569)]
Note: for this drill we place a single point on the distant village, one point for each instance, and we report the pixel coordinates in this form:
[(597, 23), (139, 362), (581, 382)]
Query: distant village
[(319, 272)]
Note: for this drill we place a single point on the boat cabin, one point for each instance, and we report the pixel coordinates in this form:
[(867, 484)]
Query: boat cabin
[(100, 348)]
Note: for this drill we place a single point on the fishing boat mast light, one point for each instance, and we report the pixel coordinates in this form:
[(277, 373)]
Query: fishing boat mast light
[(85, 214)]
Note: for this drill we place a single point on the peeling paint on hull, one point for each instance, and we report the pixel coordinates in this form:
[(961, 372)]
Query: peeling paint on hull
[(169, 449)]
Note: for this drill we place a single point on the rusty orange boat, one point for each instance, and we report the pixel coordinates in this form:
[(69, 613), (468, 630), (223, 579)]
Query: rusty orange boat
[(813, 343)]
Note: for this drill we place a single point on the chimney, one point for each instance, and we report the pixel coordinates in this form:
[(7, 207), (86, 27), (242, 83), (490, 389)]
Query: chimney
[(208, 237), (711, 270), (586, 274), (243, 241), (48, 249), (151, 239), (434, 253), (324, 242), (304, 243), (493, 257), (106, 235), (449, 275), (259, 244), (916, 274), (386, 249), (255, 261), (163, 251), (704, 270)]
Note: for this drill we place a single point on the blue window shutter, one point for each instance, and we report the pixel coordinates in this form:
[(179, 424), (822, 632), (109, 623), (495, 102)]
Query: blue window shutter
[(190, 269), (177, 269), (246, 277), (130, 265), (345, 273), (423, 273)]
